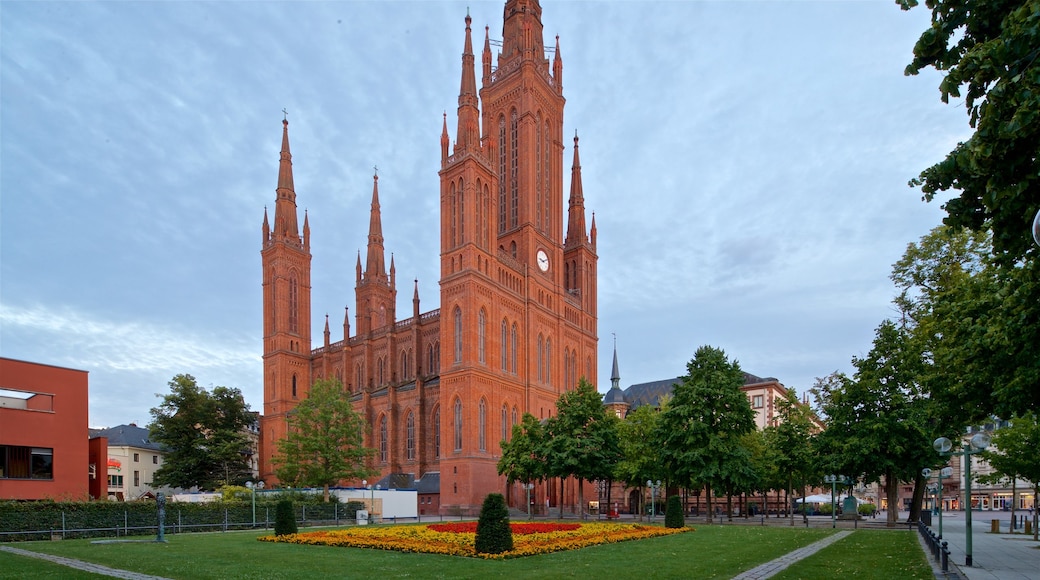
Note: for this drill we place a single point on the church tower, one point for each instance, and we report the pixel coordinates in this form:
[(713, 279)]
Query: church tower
[(286, 259), (517, 302)]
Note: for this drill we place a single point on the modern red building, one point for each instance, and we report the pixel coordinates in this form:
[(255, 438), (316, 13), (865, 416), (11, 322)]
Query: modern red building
[(43, 432)]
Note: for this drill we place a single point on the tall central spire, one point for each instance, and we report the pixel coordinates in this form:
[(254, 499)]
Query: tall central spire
[(374, 267), (468, 134), (576, 206), (285, 202)]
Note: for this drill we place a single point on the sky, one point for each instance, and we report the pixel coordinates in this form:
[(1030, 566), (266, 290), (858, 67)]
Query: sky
[(747, 163)]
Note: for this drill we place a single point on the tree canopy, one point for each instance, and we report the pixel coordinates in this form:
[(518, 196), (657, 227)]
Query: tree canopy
[(582, 438), (204, 435), (325, 440), (989, 51), (701, 427)]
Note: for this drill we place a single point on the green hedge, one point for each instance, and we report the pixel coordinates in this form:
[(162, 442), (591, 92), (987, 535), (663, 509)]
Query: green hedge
[(45, 519)]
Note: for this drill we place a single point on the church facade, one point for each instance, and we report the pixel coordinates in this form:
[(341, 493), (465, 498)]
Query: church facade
[(517, 323)]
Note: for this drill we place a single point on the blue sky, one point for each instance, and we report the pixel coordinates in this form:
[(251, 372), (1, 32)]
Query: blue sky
[(747, 163)]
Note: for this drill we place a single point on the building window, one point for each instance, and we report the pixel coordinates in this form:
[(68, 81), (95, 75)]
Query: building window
[(756, 401), (503, 345), (458, 334), (155, 459), (382, 439), (501, 174), (294, 304), (514, 170), (458, 425), (481, 336), (115, 481), (514, 416), (294, 386), (512, 348), (137, 457), (17, 462), (482, 425), (437, 433), (505, 423), (548, 361), (410, 437), (539, 356), (137, 479)]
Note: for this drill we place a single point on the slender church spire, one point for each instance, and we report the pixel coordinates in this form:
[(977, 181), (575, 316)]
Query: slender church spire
[(374, 267), (468, 134), (285, 205), (615, 376), (576, 207)]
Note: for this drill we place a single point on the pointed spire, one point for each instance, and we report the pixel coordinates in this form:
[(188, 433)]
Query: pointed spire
[(393, 272), (558, 67), (359, 266), (486, 57), (576, 207), (445, 141), (285, 200), (615, 376), (468, 133), (326, 329), (265, 229), (374, 267), (306, 231), (346, 322), (592, 231), (415, 300)]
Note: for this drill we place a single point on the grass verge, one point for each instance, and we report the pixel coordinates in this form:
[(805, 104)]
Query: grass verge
[(881, 554), (708, 552)]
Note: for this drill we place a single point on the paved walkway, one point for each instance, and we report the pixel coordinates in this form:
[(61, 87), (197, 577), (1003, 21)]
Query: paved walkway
[(81, 565), (773, 567), (994, 556)]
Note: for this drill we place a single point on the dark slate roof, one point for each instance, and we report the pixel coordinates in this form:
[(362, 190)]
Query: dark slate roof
[(651, 393), (126, 436), (429, 483), (614, 395)]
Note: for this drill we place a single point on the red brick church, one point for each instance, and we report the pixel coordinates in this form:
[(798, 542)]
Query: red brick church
[(517, 320)]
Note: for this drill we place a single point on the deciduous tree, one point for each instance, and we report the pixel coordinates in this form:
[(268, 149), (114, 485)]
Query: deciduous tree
[(325, 440), (204, 435), (582, 439), (701, 426)]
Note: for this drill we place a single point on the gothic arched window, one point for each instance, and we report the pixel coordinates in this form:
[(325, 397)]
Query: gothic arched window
[(383, 446), (410, 437), (504, 345), (482, 425), (458, 425), (481, 336), (437, 432), (502, 183), (458, 334)]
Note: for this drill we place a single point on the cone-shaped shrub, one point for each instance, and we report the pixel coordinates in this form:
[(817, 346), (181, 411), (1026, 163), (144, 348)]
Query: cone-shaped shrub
[(673, 514), (284, 518), (493, 533)]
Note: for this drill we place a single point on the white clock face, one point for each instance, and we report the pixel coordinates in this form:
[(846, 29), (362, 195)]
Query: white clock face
[(543, 261)]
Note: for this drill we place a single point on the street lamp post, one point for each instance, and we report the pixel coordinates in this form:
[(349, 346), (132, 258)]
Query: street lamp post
[(252, 488), (978, 443), (527, 488), (654, 486), (944, 472), (834, 480)]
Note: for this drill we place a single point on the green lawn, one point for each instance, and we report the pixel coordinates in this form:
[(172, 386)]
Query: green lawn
[(881, 554), (708, 552)]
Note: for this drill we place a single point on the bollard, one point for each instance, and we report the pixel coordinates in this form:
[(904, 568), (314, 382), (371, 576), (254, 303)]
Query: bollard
[(945, 558), (994, 526)]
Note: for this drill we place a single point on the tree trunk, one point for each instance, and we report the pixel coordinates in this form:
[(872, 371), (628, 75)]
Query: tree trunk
[(707, 496), (918, 499), (1036, 511), (892, 492), (559, 500), (325, 495), (729, 505)]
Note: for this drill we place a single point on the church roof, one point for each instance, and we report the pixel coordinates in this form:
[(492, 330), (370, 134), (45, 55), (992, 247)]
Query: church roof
[(651, 393), (614, 396), (126, 436)]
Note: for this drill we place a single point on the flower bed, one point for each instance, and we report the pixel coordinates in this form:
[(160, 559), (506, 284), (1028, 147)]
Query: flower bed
[(457, 539)]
